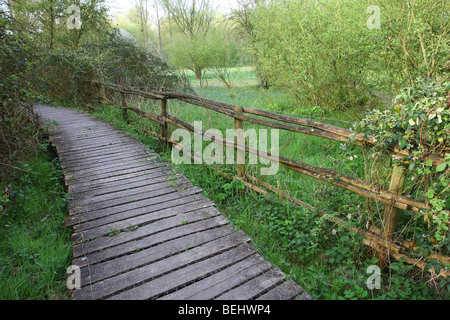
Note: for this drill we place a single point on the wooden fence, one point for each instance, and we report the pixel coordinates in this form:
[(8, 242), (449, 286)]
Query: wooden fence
[(382, 241)]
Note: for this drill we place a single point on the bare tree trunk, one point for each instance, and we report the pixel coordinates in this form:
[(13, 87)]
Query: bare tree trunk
[(198, 73), (159, 28), (142, 7), (52, 24)]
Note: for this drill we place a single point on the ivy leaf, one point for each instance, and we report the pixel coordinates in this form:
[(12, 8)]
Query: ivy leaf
[(441, 167), (430, 193), (429, 163)]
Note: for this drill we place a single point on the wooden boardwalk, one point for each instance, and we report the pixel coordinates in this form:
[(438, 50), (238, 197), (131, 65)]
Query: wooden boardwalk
[(142, 231)]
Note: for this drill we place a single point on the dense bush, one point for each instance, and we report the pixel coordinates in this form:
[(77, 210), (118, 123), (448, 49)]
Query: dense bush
[(18, 125), (123, 61), (419, 121), (65, 73), (327, 53), (62, 74)]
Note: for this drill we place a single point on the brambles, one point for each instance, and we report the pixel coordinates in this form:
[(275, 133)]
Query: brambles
[(419, 121)]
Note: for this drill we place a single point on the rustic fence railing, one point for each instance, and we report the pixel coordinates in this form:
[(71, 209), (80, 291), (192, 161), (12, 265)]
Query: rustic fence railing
[(382, 241)]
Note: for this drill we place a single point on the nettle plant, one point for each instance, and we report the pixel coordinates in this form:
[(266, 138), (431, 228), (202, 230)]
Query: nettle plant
[(419, 121)]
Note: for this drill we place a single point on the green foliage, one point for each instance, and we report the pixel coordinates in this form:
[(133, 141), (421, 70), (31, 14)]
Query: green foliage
[(65, 74), (62, 74), (216, 51), (18, 124), (419, 122), (223, 54), (320, 53), (325, 54), (35, 250), (123, 61), (51, 19)]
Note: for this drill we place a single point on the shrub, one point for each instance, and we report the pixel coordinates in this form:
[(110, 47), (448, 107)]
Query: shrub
[(64, 74), (18, 125), (325, 54), (419, 121)]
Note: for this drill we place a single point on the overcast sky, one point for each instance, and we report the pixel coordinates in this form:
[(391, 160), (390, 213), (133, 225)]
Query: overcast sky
[(122, 6)]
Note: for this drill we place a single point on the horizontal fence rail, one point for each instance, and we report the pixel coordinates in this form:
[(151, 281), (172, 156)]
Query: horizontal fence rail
[(393, 198)]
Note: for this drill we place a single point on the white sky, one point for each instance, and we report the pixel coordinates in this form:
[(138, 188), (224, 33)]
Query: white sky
[(122, 6)]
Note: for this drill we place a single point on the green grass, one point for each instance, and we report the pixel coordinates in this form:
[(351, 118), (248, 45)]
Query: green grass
[(35, 248)]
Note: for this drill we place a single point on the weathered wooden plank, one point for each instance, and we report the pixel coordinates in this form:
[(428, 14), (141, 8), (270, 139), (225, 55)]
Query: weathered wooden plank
[(119, 162), (144, 217), (76, 144), (110, 286), (286, 291), (111, 167), (79, 139), (83, 139), (94, 218), (197, 211), (128, 195), (100, 176), (107, 155), (99, 162), (67, 147), (253, 288), (304, 296), (220, 282), (186, 275), (141, 257), (95, 151), (168, 232), (132, 198), (113, 191), (110, 172), (123, 184), (122, 179), (133, 150), (79, 124)]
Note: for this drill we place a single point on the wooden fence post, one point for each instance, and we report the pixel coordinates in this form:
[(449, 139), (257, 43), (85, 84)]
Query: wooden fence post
[(391, 213), (164, 128), (239, 140), (100, 92), (124, 110)]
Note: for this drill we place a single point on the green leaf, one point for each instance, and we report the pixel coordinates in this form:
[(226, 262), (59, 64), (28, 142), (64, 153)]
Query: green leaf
[(441, 167)]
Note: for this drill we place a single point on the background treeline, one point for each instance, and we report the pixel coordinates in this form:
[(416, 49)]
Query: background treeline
[(336, 54)]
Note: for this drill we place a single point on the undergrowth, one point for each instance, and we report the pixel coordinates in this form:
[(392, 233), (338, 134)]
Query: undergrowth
[(35, 248)]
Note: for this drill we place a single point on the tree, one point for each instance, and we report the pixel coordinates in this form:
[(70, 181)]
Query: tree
[(222, 52), (38, 20), (142, 10), (244, 28), (194, 19), (93, 20), (324, 53), (156, 6)]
